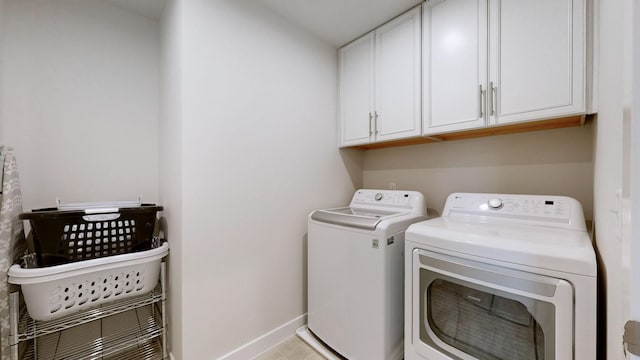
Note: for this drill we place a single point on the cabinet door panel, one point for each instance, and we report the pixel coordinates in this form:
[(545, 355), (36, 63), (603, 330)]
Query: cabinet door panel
[(534, 67), (454, 64), (356, 90), (397, 99)]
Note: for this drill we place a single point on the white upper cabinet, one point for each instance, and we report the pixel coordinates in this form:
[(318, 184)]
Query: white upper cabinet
[(538, 59), (492, 62), (397, 78), (454, 65), (356, 91), (380, 90)]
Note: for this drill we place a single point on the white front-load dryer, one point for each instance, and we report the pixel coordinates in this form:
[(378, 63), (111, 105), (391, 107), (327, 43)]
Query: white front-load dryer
[(355, 275), (501, 276)]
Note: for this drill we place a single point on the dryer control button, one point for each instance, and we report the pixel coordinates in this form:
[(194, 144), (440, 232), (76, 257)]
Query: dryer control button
[(379, 196), (495, 204)]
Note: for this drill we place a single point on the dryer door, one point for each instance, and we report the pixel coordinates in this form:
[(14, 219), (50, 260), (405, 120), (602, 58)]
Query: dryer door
[(464, 309)]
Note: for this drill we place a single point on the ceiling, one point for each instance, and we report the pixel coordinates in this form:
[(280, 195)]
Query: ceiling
[(335, 21), (339, 21)]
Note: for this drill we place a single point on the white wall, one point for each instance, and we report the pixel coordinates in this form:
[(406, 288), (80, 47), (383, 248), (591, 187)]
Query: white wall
[(259, 152), (550, 162), (610, 161), (171, 163), (81, 99)]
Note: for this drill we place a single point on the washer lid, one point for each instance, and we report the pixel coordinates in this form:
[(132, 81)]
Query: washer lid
[(564, 250), (367, 219)]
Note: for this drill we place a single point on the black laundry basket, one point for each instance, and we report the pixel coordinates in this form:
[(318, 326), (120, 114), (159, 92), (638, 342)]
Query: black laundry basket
[(64, 236)]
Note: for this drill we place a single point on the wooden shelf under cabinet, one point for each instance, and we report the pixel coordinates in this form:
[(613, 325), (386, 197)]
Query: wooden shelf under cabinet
[(549, 124)]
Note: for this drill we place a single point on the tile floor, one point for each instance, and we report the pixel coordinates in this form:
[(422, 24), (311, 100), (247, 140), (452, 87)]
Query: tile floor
[(50, 346), (292, 348), (57, 346)]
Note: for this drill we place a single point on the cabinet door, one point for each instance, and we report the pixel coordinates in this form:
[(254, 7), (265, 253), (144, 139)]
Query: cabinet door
[(397, 89), (536, 59), (454, 65), (356, 91)]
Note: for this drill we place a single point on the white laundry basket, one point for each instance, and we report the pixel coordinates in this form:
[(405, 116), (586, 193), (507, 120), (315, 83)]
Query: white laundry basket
[(56, 291)]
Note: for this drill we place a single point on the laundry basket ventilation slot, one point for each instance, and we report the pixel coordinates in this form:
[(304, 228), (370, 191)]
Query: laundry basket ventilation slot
[(91, 240), (87, 291)]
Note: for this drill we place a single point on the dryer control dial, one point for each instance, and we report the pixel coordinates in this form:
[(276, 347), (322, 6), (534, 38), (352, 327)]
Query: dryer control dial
[(495, 203), (379, 196)]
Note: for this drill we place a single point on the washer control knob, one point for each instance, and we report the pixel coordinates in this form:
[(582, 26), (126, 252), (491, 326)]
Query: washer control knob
[(495, 204), (379, 196)]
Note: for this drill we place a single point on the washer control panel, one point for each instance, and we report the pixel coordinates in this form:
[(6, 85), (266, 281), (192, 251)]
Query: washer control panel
[(517, 208), (412, 201)]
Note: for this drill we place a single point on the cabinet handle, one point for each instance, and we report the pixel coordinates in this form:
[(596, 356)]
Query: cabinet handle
[(370, 118), (375, 122), (494, 95), (481, 105)]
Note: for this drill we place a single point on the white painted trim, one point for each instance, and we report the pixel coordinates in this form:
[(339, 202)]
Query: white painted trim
[(265, 342), (634, 311), (635, 161)]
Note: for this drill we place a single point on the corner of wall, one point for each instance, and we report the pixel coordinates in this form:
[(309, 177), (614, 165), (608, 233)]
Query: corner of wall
[(170, 167), (353, 160)]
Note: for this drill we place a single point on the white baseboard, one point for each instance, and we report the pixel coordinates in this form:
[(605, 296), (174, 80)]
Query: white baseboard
[(265, 342)]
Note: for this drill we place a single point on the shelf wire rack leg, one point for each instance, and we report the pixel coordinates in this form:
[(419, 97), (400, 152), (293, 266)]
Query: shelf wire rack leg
[(14, 314), (163, 285)]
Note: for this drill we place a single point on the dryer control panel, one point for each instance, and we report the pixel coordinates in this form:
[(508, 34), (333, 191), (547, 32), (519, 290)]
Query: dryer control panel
[(554, 211)]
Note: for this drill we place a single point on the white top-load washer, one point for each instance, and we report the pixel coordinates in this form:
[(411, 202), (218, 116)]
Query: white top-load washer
[(501, 276), (356, 272)]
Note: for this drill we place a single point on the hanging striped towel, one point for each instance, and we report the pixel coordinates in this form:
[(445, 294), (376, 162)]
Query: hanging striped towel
[(12, 244)]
